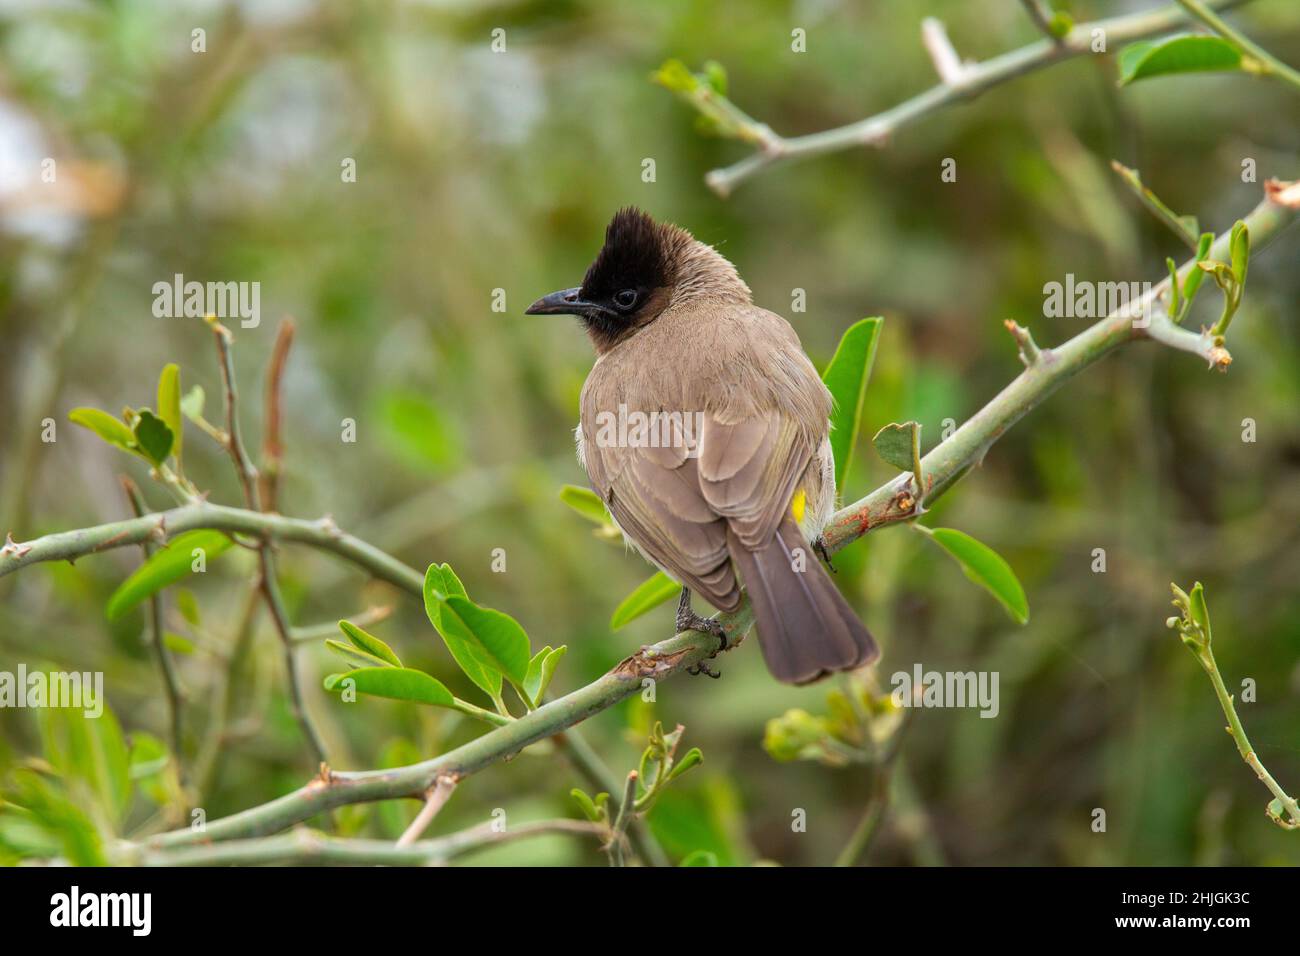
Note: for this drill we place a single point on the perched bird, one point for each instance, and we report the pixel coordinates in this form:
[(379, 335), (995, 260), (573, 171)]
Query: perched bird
[(705, 430)]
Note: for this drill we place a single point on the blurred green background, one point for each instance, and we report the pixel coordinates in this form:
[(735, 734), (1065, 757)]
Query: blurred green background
[(479, 171)]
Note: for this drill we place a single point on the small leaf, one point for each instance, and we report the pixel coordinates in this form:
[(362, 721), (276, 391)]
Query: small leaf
[(91, 749), (1198, 611), (693, 757), (700, 858), (177, 644), (169, 404), (895, 444), (192, 403), (649, 594), (188, 605), (676, 76), (369, 643), (587, 503), (716, 76), (846, 377), (1185, 53), (985, 567), (441, 582), (1239, 249), (153, 436), (541, 669), (395, 683), (354, 655), (591, 809), (165, 566), (107, 427)]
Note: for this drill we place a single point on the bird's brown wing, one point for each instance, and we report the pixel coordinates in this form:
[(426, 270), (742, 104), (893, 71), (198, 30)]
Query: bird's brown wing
[(677, 502)]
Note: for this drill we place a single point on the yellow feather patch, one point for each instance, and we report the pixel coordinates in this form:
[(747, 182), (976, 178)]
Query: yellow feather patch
[(798, 504)]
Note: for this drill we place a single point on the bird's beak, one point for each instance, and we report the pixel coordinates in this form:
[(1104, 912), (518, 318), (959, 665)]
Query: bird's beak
[(564, 302)]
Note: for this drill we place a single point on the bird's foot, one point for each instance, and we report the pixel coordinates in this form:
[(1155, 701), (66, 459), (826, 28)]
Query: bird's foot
[(688, 620), (819, 545)]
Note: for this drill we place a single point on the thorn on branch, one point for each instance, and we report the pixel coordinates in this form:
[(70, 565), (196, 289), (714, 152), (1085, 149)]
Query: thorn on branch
[(12, 547), (943, 54), (1030, 354)]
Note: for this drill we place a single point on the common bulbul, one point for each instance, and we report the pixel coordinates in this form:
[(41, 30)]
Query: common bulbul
[(705, 430)]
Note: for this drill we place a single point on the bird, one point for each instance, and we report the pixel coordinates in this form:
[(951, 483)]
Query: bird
[(705, 430)]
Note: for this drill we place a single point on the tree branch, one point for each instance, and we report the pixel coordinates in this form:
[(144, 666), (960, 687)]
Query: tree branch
[(895, 501), (311, 847), (772, 149)]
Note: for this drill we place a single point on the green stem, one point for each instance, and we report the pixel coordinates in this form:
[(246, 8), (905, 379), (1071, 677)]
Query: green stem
[(311, 847), (1205, 655), (1268, 63), (976, 78)]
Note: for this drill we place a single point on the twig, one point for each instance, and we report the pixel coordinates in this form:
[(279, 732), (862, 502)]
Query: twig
[(1266, 62), (166, 667), (318, 632), (1041, 14), (272, 444), (625, 814), (268, 582), (598, 775), (947, 63), (438, 797), (1194, 627), (773, 149), (312, 847)]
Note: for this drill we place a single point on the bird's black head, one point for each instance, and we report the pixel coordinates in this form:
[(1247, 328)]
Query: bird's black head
[(625, 286)]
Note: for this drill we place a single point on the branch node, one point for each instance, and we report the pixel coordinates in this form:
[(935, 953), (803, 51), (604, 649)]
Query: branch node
[(13, 547), (1030, 354), (944, 55)]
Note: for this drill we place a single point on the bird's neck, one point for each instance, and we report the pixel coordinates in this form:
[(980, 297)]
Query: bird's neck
[(701, 273)]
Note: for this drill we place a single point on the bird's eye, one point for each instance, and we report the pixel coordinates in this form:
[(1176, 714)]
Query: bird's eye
[(625, 299)]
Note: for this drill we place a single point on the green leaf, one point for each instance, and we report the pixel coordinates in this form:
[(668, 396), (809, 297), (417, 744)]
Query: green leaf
[(495, 636), (847, 377), (676, 76), (540, 671), (587, 503), (354, 655), (699, 858), (369, 643), (169, 404), (715, 74), (649, 594), (153, 436), (693, 758), (188, 605), (110, 429), (192, 403), (593, 810), (1239, 251), (165, 566), (50, 819), (1198, 611), (985, 567), (419, 430), (1193, 281), (440, 582), (395, 683), (895, 444), (177, 644), (91, 750), (1185, 53), (152, 769)]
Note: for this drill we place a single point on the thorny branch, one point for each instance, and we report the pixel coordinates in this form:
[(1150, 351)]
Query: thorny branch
[(891, 503), (960, 81)]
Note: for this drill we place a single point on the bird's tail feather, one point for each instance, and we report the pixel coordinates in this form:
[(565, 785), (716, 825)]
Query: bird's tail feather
[(805, 627)]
